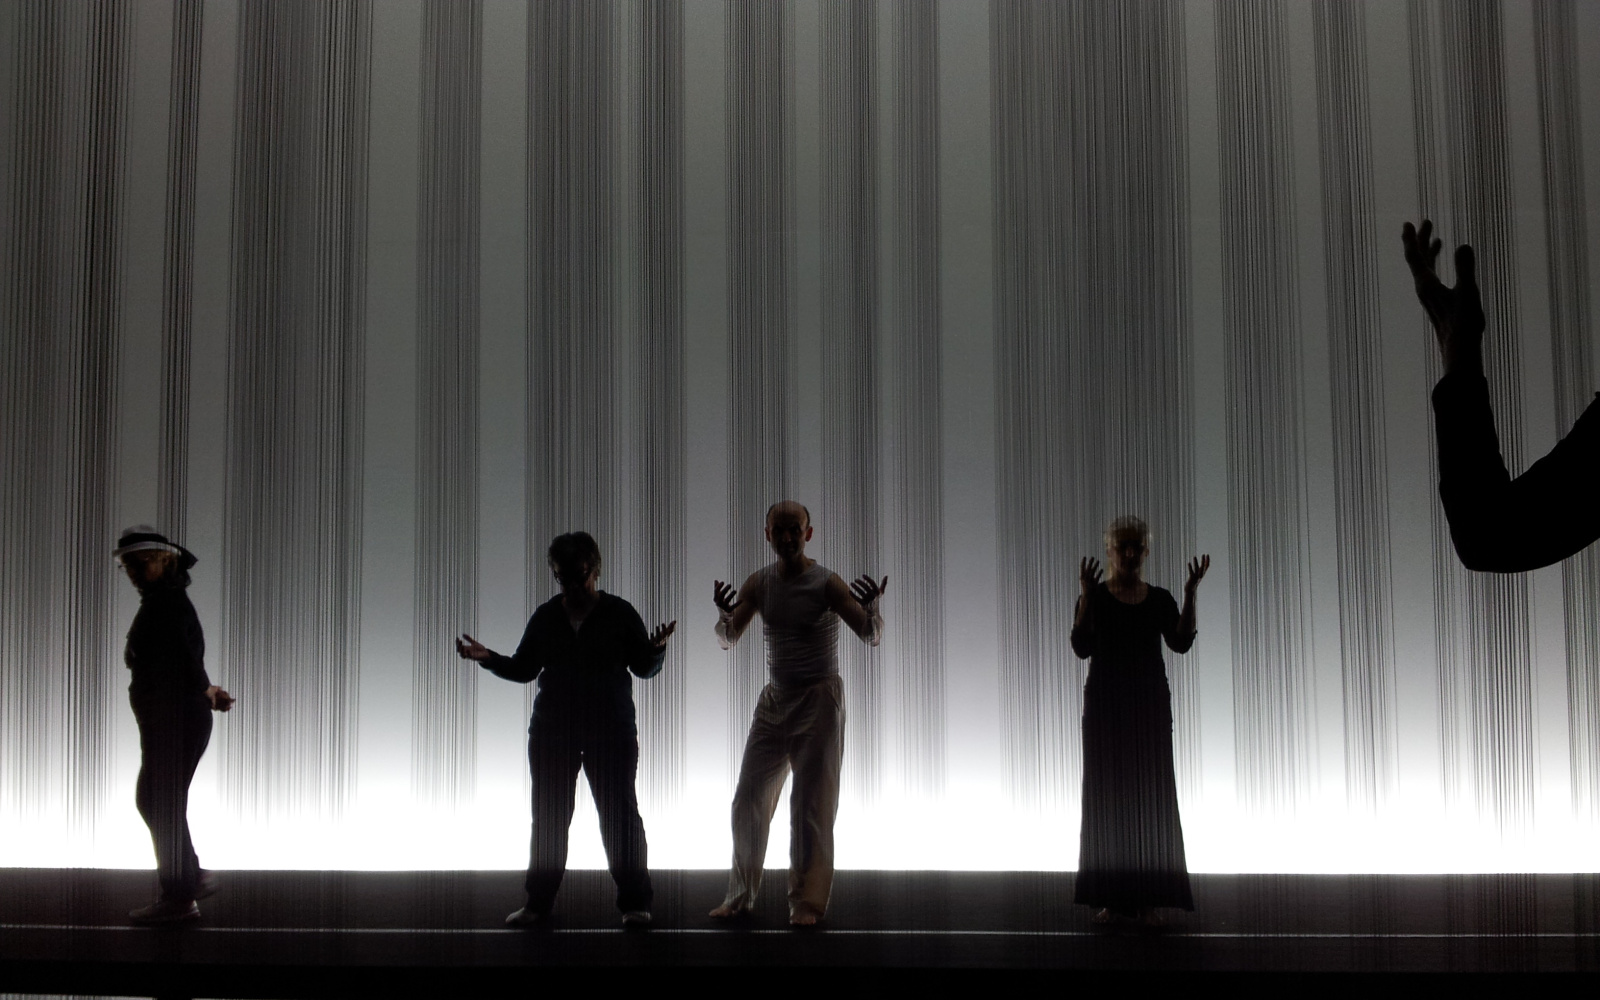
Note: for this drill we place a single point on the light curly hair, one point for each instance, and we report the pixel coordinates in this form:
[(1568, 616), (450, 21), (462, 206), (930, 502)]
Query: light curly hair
[(1127, 524)]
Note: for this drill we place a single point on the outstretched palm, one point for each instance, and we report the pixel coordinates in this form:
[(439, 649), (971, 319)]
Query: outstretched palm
[(1088, 573), (658, 638), (866, 590), (1456, 313), (1197, 570), (469, 648)]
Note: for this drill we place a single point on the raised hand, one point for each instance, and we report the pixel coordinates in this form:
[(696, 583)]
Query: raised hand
[(1197, 570), (723, 597), (658, 638), (1456, 313), (1088, 573), (866, 590), (469, 648), (220, 700)]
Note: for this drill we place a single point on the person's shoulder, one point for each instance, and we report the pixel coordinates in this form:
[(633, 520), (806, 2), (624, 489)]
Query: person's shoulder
[(548, 608), (173, 598), (617, 605), (1163, 595), (817, 571)]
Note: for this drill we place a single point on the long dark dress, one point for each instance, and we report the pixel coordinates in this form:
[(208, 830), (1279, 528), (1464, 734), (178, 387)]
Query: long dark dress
[(1130, 853)]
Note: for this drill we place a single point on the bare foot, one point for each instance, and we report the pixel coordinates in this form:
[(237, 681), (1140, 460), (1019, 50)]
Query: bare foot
[(1103, 917), (804, 916), (727, 911), (1150, 918)]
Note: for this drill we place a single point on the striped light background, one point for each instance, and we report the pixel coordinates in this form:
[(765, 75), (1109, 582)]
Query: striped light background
[(366, 301)]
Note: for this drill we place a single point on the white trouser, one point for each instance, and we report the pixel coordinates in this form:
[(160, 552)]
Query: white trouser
[(798, 728)]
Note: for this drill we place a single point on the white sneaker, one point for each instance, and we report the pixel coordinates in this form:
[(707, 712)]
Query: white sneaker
[(524, 918), (636, 918), (166, 911)]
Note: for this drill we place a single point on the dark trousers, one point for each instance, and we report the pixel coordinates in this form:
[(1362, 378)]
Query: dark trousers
[(172, 737), (610, 760)]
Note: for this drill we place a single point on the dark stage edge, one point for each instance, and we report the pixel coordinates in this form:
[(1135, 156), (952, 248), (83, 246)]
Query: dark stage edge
[(283, 934)]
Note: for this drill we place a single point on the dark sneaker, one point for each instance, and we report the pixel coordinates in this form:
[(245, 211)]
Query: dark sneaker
[(166, 911), (636, 918)]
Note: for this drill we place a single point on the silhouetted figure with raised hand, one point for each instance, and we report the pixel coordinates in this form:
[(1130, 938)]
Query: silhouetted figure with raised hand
[(582, 645), (172, 701), (1130, 849), (1497, 523), (799, 719)]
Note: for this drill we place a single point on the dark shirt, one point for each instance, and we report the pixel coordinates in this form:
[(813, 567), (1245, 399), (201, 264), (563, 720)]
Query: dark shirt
[(583, 673), (1127, 635), (166, 648), (1506, 525)]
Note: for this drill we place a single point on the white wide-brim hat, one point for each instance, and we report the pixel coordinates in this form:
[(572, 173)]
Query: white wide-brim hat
[(143, 538)]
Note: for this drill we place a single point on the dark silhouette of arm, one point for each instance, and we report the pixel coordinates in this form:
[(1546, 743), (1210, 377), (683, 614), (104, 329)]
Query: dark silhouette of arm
[(525, 664), (1503, 524), (1083, 627), (1181, 627), (1498, 523), (169, 646), (186, 643), (644, 657), (857, 605), (1083, 639), (1082, 636), (734, 614), (1177, 627)]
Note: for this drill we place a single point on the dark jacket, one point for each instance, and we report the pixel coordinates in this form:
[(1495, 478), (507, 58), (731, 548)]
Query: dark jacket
[(582, 675), (166, 648), (1502, 524)]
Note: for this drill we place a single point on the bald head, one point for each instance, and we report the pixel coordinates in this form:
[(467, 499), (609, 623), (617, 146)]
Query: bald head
[(788, 531), (789, 508)]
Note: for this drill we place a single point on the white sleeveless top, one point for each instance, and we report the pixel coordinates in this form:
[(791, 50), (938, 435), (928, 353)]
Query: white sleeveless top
[(802, 634)]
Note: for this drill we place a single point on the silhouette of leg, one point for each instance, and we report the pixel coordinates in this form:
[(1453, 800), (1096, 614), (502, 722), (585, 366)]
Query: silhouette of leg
[(172, 739), (553, 762), (817, 750), (761, 772), (611, 766), (197, 735)]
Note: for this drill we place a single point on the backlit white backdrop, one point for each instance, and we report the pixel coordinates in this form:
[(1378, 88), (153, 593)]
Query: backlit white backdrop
[(965, 278)]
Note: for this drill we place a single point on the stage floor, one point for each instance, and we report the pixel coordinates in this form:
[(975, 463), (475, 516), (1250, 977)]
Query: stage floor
[(278, 934)]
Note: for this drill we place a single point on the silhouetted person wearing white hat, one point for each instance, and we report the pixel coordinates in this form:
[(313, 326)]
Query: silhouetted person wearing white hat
[(172, 701)]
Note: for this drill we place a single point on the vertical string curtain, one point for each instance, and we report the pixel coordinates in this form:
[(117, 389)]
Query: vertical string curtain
[(1188, 237)]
